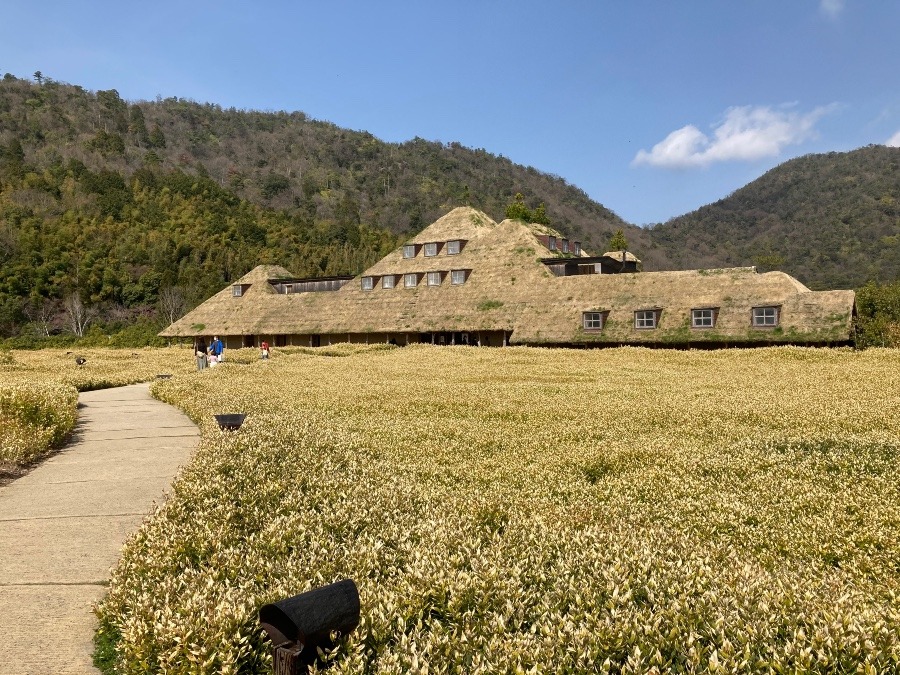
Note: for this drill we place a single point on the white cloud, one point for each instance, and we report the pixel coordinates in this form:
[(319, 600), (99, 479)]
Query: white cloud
[(746, 133), (831, 7), (894, 141)]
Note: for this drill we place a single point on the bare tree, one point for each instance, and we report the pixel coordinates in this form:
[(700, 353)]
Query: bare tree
[(171, 303), (78, 314), (40, 312)]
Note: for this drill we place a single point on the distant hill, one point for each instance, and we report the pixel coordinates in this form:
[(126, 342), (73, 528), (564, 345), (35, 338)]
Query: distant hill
[(287, 160), (119, 200), (136, 205), (831, 220)]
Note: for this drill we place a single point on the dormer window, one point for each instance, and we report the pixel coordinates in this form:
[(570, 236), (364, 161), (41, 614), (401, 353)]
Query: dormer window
[(551, 243), (454, 246), (577, 246), (766, 317), (458, 277), (593, 320), (434, 278), (703, 318), (410, 280), (388, 281), (431, 249), (565, 245), (646, 319), (368, 283), (409, 251), (237, 290)]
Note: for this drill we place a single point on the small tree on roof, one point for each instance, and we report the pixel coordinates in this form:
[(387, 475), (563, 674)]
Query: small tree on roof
[(618, 242), (517, 210), (540, 215)]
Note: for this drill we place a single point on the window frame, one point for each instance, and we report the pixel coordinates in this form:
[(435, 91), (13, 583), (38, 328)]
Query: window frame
[(565, 245), (431, 245), (640, 323), (577, 247), (367, 283), (551, 242), (410, 276), (388, 284), (407, 248), (760, 311), (450, 247), (454, 273), (430, 276), (237, 290), (713, 316), (593, 316)]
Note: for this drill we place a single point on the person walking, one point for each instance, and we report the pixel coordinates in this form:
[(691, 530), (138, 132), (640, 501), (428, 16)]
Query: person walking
[(201, 355), (217, 349)]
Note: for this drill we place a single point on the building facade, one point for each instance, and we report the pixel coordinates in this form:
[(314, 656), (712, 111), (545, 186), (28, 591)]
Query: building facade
[(469, 280)]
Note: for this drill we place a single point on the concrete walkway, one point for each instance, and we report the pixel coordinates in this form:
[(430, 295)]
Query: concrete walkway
[(62, 526)]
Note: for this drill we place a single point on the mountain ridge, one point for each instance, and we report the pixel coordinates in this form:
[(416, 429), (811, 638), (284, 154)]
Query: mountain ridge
[(119, 202), (832, 220)]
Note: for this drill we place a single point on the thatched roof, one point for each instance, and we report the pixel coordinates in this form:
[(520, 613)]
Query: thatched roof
[(460, 223), (508, 288), (622, 256), (805, 316)]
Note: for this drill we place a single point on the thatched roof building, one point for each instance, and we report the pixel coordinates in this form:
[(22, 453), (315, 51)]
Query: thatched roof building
[(468, 279)]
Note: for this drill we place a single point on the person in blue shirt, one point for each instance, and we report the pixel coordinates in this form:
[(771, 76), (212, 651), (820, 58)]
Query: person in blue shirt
[(216, 348)]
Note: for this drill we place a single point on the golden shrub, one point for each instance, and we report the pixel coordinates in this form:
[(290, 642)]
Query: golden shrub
[(528, 510)]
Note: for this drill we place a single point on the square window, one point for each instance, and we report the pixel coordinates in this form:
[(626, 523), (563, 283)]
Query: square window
[(703, 318), (458, 277), (434, 278), (592, 320), (237, 291), (765, 316), (430, 250), (387, 281), (409, 251), (410, 280), (454, 247), (645, 319), (551, 243), (368, 283)]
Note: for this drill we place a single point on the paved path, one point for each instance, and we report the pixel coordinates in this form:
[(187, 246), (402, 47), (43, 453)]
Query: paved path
[(62, 526)]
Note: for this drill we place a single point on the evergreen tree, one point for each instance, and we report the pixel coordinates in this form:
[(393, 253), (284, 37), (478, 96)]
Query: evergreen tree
[(618, 242), (157, 137), (540, 215), (517, 210), (137, 126)]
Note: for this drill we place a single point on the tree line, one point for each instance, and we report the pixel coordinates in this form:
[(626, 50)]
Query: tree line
[(114, 213)]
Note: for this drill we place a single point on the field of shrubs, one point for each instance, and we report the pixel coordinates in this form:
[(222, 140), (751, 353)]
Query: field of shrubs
[(527, 510)]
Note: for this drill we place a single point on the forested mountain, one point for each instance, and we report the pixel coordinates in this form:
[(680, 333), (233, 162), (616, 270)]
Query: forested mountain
[(831, 220), (118, 201), (147, 208)]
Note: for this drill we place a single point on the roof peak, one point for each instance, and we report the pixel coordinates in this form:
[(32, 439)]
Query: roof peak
[(463, 222)]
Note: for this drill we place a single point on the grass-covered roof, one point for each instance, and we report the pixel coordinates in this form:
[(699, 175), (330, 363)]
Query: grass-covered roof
[(508, 288)]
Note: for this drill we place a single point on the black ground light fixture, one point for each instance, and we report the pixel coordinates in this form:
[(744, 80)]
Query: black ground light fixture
[(231, 421), (301, 625)]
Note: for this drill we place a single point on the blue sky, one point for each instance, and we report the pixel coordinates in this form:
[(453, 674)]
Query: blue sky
[(652, 108)]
